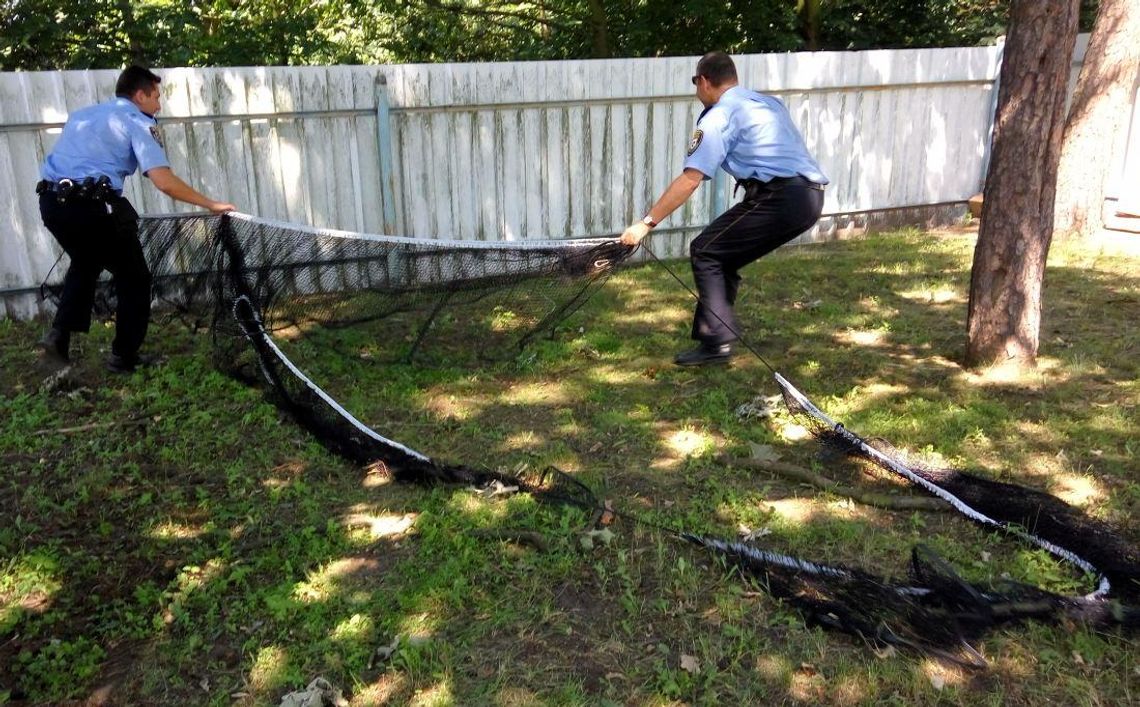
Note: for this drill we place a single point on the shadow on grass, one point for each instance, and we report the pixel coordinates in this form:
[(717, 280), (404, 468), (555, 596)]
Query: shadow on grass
[(217, 554)]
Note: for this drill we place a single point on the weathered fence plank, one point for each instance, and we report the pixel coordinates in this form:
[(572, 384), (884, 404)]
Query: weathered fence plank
[(505, 151)]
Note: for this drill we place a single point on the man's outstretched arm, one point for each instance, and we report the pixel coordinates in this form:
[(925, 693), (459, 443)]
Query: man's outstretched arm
[(172, 185), (677, 193)]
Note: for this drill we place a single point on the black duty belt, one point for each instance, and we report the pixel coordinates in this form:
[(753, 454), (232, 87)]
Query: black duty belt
[(89, 188), (753, 188)]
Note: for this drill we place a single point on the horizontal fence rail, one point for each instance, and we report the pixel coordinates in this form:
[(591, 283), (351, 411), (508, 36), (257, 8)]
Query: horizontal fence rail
[(510, 151)]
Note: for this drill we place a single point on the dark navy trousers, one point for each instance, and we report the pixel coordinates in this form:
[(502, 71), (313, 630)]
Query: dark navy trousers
[(97, 236), (770, 215)]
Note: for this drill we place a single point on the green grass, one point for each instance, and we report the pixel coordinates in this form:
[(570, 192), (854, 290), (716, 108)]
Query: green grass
[(194, 546)]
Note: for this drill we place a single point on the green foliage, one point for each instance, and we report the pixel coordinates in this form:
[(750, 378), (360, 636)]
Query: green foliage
[(56, 34), (865, 24), (62, 34), (880, 24), (52, 672)]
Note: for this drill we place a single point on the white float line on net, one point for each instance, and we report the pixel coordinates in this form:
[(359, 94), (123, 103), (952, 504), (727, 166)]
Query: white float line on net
[(796, 564), (316, 389), (1103, 585), (425, 243), (774, 558)]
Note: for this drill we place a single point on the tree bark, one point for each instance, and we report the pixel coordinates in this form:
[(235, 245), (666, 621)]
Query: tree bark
[(600, 42), (1096, 134), (130, 28), (1004, 317), (810, 15)]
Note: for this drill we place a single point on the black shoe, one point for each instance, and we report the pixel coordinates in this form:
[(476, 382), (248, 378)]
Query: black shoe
[(705, 354), (127, 364), (55, 346)]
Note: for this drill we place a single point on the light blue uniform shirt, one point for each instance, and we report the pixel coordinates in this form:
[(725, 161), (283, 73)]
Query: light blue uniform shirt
[(751, 136), (113, 139)]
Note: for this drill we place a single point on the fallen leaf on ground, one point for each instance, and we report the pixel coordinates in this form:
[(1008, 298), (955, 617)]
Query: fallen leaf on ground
[(885, 652), (604, 536), (690, 664), (607, 513), (763, 452), (384, 653), (748, 534)]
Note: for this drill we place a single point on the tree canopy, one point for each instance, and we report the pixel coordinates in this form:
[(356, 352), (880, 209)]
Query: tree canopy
[(63, 34)]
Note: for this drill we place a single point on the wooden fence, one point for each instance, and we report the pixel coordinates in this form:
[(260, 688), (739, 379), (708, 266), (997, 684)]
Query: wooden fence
[(509, 151)]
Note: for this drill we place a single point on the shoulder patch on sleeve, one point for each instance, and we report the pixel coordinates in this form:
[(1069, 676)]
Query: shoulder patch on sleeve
[(695, 142), (157, 135)]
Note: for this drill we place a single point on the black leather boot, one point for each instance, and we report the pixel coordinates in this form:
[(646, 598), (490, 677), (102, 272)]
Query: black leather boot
[(56, 346), (704, 355), (128, 364)]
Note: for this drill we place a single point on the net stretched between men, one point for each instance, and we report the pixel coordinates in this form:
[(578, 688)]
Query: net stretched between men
[(484, 300), (280, 299)]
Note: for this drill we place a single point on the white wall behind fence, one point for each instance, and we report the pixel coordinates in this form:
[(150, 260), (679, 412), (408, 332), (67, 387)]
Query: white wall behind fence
[(505, 150)]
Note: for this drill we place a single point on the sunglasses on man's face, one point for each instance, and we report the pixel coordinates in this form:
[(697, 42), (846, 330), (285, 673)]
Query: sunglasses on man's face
[(695, 79)]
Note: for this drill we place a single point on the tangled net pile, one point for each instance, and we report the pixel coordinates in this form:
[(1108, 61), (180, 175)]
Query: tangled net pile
[(260, 285), (934, 610)]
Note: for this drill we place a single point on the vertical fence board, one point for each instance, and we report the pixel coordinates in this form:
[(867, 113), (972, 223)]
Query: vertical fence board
[(500, 151)]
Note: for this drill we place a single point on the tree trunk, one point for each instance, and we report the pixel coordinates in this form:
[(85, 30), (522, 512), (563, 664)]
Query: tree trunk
[(130, 28), (1017, 215), (1097, 131), (598, 25), (810, 17)]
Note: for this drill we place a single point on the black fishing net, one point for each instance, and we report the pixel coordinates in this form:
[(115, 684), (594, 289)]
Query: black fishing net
[(934, 610), (439, 299), (1032, 516), (263, 288)]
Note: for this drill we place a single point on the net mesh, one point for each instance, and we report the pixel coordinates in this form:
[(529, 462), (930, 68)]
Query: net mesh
[(455, 298), (934, 610), (1030, 515), (262, 287)]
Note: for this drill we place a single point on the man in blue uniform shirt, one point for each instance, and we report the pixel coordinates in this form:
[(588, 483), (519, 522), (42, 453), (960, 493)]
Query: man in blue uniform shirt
[(752, 137), (82, 205)]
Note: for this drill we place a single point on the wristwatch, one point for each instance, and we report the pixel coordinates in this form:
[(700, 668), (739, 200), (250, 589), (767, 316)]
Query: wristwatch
[(648, 221)]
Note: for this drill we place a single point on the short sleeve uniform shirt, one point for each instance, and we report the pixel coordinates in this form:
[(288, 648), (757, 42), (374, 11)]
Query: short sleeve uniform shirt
[(110, 139), (751, 136)]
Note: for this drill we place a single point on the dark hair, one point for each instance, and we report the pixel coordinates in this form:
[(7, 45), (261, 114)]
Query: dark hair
[(135, 78), (717, 67)]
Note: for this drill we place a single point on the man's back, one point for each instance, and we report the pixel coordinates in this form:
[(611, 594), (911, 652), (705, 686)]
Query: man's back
[(759, 138), (113, 138)]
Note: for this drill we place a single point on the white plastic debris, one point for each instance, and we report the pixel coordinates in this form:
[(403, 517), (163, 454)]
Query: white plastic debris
[(319, 693)]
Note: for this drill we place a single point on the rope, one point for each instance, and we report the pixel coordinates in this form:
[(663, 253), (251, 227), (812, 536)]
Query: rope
[(740, 337), (933, 488), (1103, 586), (257, 329)]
